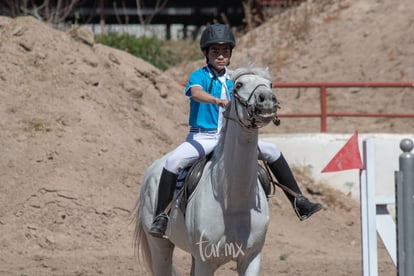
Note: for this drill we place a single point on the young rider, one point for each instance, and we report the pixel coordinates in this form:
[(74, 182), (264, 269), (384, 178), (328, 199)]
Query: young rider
[(209, 89)]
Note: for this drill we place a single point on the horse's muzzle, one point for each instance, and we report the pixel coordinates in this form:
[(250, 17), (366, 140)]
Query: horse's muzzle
[(266, 108)]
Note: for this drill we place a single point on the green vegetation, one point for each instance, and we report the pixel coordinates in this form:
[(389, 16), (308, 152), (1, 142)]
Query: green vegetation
[(283, 257), (150, 49)]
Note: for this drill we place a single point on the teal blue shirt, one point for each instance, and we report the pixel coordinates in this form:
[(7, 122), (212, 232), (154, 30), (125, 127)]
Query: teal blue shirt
[(204, 115)]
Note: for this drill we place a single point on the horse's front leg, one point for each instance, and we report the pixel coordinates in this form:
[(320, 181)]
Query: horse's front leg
[(161, 256), (192, 273), (201, 267), (249, 267)]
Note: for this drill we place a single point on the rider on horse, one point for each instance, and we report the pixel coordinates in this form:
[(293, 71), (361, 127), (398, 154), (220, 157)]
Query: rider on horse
[(209, 89)]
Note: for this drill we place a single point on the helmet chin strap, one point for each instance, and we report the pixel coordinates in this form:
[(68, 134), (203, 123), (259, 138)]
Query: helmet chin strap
[(214, 73)]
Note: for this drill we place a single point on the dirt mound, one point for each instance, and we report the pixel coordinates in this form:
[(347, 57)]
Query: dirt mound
[(81, 122), (335, 41)]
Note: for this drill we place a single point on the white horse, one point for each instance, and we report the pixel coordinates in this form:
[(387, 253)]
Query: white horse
[(227, 215)]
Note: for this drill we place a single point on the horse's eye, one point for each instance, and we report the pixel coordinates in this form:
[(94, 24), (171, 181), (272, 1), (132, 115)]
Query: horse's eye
[(271, 85), (239, 85)]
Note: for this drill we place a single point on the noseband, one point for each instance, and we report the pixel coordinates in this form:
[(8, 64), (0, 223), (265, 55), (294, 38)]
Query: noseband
[(251, 108)]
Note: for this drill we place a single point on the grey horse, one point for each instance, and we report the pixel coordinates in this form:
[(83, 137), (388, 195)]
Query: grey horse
[(227, 215)]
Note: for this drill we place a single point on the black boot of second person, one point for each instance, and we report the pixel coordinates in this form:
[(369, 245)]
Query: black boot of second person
[(303, 207)]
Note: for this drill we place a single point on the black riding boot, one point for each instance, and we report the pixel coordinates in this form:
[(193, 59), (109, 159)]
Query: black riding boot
[(166, 190), (302, 206)]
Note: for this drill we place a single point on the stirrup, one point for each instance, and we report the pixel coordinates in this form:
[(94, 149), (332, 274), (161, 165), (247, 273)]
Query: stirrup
[(305, 214), (159, 226)]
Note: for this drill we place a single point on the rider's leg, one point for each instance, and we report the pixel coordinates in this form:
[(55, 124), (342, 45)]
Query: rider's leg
[(166, 190), (303, 207), (184, 155), (177, 159)]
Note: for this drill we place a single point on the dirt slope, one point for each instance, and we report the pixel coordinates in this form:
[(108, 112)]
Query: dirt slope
[(80, 123), (335, 41)]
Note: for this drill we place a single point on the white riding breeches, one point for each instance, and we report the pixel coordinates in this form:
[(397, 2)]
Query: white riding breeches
[(196, 145), (199, 144), (268, 152)]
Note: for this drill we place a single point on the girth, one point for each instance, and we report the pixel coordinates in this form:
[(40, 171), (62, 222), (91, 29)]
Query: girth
[(190, 177)]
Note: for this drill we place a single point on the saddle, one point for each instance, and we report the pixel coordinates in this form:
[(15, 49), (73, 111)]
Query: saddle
[(189, 178)]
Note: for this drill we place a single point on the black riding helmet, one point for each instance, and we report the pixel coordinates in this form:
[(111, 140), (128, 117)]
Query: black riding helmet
[(217, 34)]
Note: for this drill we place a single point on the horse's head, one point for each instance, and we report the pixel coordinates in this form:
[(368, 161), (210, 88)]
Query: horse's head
[(256, 105)]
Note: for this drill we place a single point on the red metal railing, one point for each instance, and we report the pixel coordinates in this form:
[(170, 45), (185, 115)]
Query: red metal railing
[(323, 115)]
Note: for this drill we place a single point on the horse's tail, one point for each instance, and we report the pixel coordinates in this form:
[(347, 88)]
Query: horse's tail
[(141, 244)]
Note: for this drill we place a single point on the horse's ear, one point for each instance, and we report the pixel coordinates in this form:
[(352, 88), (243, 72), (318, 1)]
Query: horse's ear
[(264, 72)]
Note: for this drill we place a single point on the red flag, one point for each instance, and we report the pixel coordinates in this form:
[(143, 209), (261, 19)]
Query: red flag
[(347, 158)]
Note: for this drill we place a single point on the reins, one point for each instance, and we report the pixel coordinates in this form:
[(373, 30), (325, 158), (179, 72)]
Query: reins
[(250, 110)]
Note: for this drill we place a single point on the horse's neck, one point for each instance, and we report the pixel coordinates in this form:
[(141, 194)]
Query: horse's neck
[(236, 166)]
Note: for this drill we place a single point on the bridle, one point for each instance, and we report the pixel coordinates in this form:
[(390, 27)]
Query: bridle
[(250, 107)]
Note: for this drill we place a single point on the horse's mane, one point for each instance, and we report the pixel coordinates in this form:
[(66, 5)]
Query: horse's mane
[(259, 71)]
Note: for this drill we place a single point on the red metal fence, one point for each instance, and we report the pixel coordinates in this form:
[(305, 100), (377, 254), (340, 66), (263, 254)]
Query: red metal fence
[(323, 115)]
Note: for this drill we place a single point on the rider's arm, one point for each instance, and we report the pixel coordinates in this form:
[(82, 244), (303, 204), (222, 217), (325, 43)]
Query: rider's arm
[(198, 94)]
